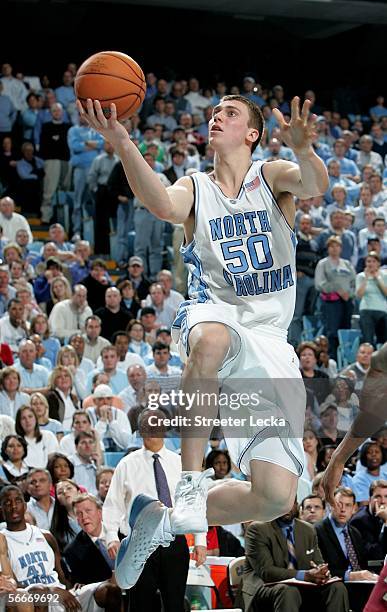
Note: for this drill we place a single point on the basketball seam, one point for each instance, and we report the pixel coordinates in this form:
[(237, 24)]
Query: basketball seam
[(141, 76), (112, 99), (111, 76)]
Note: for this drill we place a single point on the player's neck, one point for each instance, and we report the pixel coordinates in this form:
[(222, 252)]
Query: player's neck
[(230, 170)]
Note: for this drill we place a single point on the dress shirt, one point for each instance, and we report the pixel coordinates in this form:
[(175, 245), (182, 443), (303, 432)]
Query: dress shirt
[(338, 529), (32, 379), (84, 473), (118, 381), (12, 224), (43, 518), (134, 475), (167, 380)]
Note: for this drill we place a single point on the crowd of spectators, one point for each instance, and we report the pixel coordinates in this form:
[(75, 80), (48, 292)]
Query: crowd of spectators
[(82, 352)]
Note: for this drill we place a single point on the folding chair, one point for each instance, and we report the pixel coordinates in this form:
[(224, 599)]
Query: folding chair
[(235, 572)]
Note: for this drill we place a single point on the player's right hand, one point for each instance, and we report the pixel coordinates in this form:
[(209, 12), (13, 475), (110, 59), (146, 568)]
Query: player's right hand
[(113, 549), (109, 128)]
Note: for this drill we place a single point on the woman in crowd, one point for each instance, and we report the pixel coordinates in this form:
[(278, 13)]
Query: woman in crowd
[(335, 280), (40, 404), (64, 525), (13, 452), (81, 422), (39, 443), (312, 446), (67, 356), (372, 457), (344, 397), (61, 401), (371, 289), (129, 301), (137, 342), (39, 325), (60, 467), (11, 398), (315, 380), (59, 290), (220, 461), (12, 252)]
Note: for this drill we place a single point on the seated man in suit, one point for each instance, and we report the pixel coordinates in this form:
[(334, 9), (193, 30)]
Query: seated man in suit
[(312, 509), (342, 547), (282, 549), (371, 521), (87, 559)]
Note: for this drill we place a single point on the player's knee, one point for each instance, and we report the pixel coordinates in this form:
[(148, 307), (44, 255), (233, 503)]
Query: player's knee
[(273, 502), (209, 346)]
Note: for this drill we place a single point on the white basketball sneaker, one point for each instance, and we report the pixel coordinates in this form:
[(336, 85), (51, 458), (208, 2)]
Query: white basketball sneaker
[(189, 514), (149, 529)]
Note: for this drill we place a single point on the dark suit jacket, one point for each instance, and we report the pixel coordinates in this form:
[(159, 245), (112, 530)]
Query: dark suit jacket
[(267, 555), (170, 174), (85, 561), (332, 551), (56, 407), (370, 527)]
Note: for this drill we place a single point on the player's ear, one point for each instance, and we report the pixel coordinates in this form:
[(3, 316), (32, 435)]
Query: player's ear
[(253, 135)]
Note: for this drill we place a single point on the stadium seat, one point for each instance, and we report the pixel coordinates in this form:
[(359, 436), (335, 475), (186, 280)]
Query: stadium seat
[(349, 340), (312, 327), (112, 459)]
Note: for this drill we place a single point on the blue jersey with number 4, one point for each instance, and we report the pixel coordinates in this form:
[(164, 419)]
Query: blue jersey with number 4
[(242, 253)]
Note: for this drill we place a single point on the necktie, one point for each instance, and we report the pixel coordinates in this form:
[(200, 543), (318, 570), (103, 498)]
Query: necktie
[(291, 550), (161, 482), (351, 553), (100, 544)]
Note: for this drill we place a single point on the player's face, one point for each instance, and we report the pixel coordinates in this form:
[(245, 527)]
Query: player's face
[(228, 126), (13, 507)]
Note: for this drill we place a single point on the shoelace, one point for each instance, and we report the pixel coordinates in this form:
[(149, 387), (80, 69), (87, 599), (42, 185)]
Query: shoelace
[(190, 488)]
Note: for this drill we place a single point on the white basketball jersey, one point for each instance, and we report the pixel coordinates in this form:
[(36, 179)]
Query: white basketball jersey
[(242, 254), (32, 558)]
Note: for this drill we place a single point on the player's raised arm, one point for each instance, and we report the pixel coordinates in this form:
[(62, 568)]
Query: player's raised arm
[(172, 205), (372, 416), (310, 177)]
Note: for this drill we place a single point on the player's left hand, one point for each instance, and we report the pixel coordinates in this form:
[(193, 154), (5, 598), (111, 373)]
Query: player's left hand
[(299, 132), (199, 555)]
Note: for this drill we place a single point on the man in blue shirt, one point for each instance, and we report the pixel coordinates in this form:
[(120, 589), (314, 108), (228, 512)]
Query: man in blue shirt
[(342, 547)]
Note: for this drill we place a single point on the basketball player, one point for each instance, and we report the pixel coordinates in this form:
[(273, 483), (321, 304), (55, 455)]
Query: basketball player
[(239, 246), (35, 560), (372, 416)]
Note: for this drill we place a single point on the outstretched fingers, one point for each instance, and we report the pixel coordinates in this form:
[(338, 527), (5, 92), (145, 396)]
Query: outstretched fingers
[(305, 110), (279, 117), (295, 108)]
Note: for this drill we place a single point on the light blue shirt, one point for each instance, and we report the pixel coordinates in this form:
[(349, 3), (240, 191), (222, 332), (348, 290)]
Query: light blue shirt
[(338, 529), (84, 473), (362, 481), (118, 382), (43, 519), (10, 408), (33, 380)]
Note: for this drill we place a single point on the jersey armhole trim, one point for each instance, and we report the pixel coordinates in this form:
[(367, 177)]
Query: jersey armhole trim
[(185, 243), (269, 189)]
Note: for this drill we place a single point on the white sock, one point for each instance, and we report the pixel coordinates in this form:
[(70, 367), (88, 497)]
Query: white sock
[(191, 473)]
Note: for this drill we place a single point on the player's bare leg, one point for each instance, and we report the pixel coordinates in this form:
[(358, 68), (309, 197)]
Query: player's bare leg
[(270, 494), (209, 344)]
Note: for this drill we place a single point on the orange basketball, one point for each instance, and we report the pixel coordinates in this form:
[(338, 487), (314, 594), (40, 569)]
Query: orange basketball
[(111, 76)]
